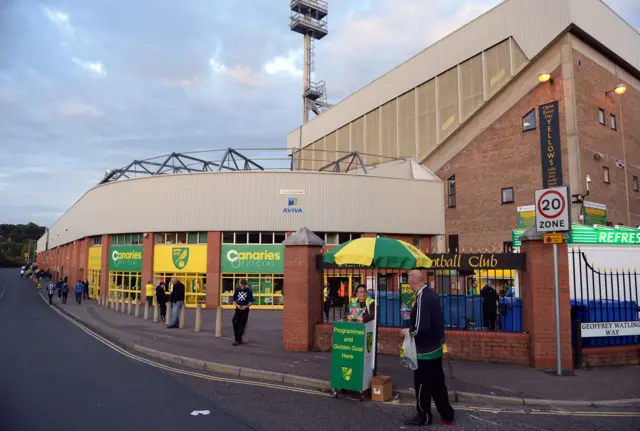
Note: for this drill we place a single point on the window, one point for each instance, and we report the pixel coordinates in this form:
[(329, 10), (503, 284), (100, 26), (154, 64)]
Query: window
[(333, 238), (254, 237), (416, 241), (247, 237), (601, 115), (453, 243), (507, 195), (228, 237), (612, 121), (605, 172), (452, 192), (635, 184), (529, 121), (126, 239), (507, 247), (97, 240)]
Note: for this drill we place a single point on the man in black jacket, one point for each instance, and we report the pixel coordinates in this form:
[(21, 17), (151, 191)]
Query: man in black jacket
[(427, 328), (177, 300)]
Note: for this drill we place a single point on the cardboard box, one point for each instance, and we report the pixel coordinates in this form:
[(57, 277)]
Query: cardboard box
[(381, 388)]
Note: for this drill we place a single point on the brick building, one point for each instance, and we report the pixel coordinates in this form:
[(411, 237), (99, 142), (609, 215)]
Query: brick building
[(469, 109)]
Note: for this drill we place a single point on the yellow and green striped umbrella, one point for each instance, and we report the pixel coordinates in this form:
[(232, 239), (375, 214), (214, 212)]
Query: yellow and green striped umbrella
[(378, 253)]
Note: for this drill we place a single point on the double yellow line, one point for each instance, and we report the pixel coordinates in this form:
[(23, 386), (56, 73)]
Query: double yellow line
[(180, 371)]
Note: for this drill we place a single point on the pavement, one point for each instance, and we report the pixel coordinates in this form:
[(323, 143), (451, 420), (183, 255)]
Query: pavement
[(263, 356), (58, 374)]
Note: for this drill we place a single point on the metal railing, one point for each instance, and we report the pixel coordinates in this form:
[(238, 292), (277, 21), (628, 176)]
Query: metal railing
[(482, 300), (601, 295)]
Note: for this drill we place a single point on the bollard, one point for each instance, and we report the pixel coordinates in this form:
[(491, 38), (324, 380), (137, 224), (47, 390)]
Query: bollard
[(155, 313), (181, 320), (169, 313), (129, 304), (146, 310), (219, 321), (111, 302), (198, 326), (137, 313), (99, 301), (123, 305)]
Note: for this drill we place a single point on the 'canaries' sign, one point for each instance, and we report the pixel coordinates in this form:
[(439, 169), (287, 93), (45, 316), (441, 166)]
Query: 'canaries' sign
[(252, 259), (125, 258)]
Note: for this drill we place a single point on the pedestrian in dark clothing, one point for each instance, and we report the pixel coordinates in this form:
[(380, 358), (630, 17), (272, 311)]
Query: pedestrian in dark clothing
[(489, 307), (64, 289), (161, 298), (242, 299), (427, 329), (51, 288), (177, 301), (59, 288), (79, 288), (85, 290)]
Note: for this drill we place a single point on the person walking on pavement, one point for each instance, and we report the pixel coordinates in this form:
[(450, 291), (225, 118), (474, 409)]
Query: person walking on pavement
[(51, 288), (161, 298), (149, 291), (85, 289), (79, 288), (59, 288), (177, 301), (64, 289), (427, 329), (242, 299)]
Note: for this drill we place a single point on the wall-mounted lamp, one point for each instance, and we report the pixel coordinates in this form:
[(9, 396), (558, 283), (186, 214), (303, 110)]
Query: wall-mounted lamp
[(619, 90), (544, 77)]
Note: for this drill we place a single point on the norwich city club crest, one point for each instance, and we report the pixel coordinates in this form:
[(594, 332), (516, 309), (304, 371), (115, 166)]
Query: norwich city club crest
[(346, 373), (180, 257), (369, 341)]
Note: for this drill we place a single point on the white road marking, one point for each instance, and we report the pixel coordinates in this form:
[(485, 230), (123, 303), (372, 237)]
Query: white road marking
[(483, 420)]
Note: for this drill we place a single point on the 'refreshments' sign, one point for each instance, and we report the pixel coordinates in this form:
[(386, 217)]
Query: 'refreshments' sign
[(550, 148), (125, 258), (266, 259)]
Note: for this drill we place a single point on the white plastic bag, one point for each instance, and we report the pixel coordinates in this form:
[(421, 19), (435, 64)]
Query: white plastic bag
[(408, 354)]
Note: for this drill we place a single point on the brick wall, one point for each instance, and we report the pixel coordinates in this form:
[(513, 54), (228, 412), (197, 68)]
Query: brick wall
[(148, 249), (592, 81), (499, 157), (214, 240), (617, 355), (465, 345)]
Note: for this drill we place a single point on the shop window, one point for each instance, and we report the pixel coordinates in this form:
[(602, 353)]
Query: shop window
[(202, 237), (160, 238), (605, 173), (192, 237), (452, 192), (529, 121), (331, 239), (612, 121), (635, 184), (181, 238), (96, 240), (416, 241), (136, 239), (601, 115), (241, 238), (266, 237), (343, 237), (278, 237), (228, 238), (507, 195), (254, 237)]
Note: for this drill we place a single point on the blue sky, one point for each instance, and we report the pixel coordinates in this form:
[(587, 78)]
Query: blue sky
[(87, 86)]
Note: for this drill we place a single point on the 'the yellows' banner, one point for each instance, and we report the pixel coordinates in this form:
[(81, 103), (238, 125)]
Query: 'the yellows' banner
[(95, 258), (180, 258)]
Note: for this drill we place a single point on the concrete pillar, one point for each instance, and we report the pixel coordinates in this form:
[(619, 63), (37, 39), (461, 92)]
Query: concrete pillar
[(181, 318), (197, 327), (137, 312), (155, 313), (303, 307), (538, 302), (219, 312), (214, 239), (169, 313), (146, 311)]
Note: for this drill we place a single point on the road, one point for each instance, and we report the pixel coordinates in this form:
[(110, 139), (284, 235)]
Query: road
[(55, 375)]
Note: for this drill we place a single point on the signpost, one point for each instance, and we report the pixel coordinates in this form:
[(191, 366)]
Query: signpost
[(553, 217)]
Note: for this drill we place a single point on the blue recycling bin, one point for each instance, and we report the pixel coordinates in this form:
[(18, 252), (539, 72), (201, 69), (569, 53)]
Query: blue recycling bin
[(510, 314), (388, 309), (458, 309)]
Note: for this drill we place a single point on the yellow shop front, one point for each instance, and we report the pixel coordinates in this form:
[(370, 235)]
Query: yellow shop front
[(186, 262), (94, 266)]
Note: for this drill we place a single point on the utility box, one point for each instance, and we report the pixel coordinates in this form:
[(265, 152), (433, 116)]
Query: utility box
[(381, 388)]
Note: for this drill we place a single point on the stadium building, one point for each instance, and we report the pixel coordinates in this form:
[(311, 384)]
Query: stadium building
[(212, 223), (533, 93)]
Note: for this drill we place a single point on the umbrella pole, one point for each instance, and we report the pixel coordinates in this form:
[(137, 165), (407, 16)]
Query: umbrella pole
[(375, 332)]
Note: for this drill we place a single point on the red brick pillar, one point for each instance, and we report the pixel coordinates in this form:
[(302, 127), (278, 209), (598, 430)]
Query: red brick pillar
[(148, 244), (83, 258), (303, 290), (104, 267), (538, 303), (214, 239)]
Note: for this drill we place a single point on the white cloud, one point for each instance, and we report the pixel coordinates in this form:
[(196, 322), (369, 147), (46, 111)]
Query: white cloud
[(76, 109), (59, 18), (287, 64), (4, 175), (95, 68)]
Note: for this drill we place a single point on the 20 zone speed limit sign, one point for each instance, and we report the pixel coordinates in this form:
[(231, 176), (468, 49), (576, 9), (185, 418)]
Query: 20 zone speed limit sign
[(553, 210)]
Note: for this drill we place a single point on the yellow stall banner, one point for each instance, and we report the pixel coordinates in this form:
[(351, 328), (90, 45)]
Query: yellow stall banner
[(95, 258), (180, 258)]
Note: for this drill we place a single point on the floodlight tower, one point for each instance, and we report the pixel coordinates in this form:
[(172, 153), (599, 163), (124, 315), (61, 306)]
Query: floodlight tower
[(309, 18)]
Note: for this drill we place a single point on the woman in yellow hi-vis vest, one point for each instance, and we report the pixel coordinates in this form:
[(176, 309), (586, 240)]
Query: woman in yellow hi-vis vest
[(362, 308)]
